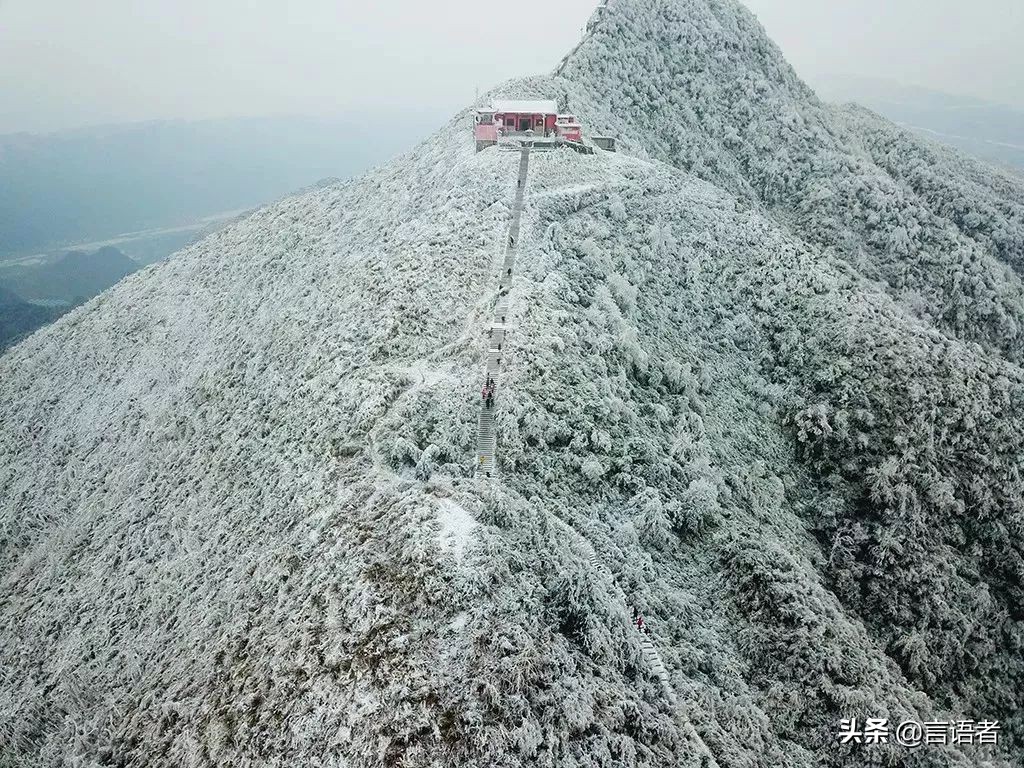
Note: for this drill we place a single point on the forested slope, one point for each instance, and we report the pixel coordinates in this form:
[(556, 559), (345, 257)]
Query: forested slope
[(696, 83), (754, 362), (910, 426)]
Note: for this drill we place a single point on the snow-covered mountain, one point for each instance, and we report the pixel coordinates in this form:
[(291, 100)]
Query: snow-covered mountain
[(760, 380)]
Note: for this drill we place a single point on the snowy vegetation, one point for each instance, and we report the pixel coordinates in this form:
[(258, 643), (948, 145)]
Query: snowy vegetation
[(697, 84), (765, 362)]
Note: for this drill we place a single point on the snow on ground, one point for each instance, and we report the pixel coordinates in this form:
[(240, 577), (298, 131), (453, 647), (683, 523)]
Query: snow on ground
[(457, 525)]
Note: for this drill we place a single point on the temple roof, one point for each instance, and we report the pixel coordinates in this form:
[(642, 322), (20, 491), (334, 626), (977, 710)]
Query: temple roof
[(528, 107)]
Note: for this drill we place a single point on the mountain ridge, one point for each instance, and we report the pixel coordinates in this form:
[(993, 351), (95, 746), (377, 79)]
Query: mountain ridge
[(226, 483)]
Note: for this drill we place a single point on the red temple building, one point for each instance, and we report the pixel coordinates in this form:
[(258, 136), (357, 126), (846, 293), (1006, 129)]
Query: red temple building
[(523, 119)]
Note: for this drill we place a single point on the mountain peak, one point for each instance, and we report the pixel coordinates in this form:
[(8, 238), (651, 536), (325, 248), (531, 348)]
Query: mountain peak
[(657, 39), (671, 456)]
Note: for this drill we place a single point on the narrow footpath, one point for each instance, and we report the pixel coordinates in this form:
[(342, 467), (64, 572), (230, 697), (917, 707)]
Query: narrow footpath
[(486, 463)]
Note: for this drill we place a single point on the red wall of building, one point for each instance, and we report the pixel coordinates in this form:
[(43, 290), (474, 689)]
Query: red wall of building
[(539, 123)]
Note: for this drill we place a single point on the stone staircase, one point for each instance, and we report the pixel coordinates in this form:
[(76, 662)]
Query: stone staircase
[(657, 666), (647, 645), (486, 440)]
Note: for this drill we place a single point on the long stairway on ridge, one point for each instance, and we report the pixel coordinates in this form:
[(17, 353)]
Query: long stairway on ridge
[(486, 461), (486, 446)]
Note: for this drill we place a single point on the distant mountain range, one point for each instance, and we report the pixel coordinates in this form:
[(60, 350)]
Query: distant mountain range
[(94, 184), (993, 132), (18, 318), (75, 276), (33, 294)]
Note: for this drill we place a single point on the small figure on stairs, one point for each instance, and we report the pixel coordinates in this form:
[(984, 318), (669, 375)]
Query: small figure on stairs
[(638, 621)]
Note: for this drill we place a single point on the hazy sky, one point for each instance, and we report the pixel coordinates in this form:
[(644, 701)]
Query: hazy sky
[(66, 63)]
